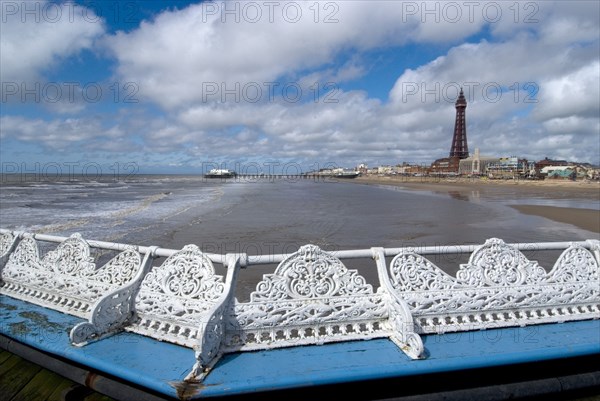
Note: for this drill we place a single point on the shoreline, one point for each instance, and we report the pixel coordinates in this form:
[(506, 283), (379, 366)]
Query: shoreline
[(584, 218), (429, 183)]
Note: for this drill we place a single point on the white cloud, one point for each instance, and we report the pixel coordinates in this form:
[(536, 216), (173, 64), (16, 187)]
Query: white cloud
[(36, 36), (573, 94), (65, 135), (175, 56)]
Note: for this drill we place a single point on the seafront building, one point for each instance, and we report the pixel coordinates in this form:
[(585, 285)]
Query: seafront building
[(476, 164), (511, 167)]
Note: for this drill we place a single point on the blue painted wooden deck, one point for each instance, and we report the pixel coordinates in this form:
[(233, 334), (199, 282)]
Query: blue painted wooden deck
[(161, 367)]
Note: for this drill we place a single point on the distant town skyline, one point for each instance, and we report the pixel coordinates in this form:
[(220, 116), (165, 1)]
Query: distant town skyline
[(176, 87)]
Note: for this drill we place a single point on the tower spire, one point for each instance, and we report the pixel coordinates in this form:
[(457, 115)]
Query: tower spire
[(459, 140)]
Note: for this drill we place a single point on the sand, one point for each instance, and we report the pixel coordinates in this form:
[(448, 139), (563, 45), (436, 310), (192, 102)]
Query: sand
[(587, 219), (433, 183)]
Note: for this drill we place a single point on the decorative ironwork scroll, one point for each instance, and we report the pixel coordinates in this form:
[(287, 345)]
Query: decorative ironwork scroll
[(114, 310), (174, 297), (498, 287), (8, 242), (66, 279), (312, 298)]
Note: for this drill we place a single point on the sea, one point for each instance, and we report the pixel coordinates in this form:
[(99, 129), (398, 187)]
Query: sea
[(266, 215)]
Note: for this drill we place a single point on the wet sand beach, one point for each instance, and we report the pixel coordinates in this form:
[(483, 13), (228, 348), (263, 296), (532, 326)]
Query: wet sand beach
[(553, 187), (588, 219), (585, 218)]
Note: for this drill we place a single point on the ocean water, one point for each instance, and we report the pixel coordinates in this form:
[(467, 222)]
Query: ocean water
[(138, 209)]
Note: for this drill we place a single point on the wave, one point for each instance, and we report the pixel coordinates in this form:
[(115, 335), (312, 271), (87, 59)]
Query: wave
[(60, 227), (145, 204)]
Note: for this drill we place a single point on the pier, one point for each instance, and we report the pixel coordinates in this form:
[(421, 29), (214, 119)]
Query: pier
[(279, 177), (164, 322)]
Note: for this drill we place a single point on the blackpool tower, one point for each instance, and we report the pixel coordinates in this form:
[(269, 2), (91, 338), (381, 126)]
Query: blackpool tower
[(459, 140)]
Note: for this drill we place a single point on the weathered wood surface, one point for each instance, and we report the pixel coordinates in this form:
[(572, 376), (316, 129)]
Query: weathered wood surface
[(21, 380)]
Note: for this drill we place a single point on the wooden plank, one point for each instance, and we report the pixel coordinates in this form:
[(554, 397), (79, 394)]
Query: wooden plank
[(9, 364), (4, 355), (40, 387), (13, 380), (44, 385)]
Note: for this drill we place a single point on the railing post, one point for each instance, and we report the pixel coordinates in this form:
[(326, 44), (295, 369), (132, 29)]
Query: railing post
[(114, 310), (400, 315), (213, 324)]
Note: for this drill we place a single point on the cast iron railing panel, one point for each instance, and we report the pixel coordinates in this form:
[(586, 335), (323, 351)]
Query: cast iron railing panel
[(498, 287), (66, 278)]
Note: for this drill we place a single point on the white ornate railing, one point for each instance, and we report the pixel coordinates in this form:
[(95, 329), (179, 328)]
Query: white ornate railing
[(310, 298), (498, 287), (66, 278)]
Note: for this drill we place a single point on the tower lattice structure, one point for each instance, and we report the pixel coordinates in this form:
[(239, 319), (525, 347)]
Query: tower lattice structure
[(459, 140)]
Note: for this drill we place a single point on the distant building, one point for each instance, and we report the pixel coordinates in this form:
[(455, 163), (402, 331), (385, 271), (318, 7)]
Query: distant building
[(549, 162), (476, 164), (511, 167), (385, 170), (446, 165), (559, 172), (362, 168)]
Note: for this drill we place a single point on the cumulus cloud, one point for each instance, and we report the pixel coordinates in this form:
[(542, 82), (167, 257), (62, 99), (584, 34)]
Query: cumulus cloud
[(36, 36), (574, 94), (175, 56), (66, 134)]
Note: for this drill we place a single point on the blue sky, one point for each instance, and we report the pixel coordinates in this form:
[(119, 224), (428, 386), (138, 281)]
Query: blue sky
[(175, 87)]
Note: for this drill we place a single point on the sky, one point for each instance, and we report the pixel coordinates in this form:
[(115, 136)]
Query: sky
[(116, 87)]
